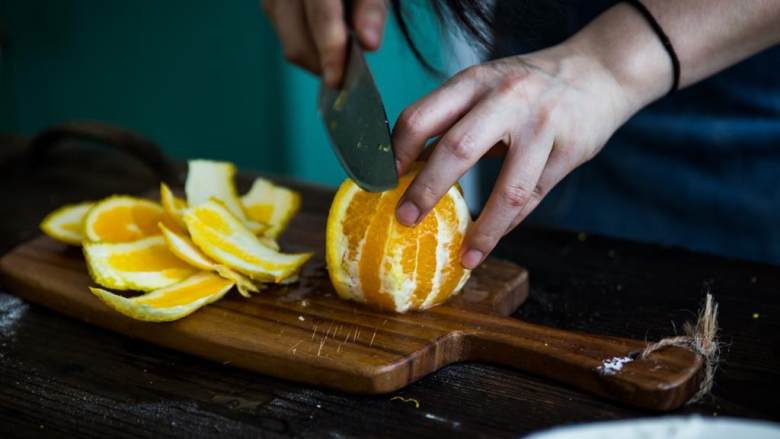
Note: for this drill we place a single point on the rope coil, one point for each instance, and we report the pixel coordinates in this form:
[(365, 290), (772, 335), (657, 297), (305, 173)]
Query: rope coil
[(701, 339)]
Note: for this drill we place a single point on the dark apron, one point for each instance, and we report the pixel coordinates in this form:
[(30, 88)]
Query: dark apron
[(699, 169)]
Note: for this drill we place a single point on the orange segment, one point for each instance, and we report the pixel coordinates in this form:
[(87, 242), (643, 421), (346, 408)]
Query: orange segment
[(452, 274), (122, 218), (427, 240), (373, 253)]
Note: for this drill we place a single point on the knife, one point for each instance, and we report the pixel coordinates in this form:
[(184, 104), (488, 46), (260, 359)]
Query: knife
[(356, 122)]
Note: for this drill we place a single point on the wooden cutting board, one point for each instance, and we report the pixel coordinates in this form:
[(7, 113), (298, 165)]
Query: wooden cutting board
[(303, 332)]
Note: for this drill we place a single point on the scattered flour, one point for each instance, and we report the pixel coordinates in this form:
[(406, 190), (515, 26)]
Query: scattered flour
[(12, 310), (613, 365)]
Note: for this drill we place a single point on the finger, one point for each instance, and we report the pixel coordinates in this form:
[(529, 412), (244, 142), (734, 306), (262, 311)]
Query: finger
[(431, 116), (498, 150), (289, 21), (516, 186), (457, 151), (555, 170), (368, 18), (326, 22)]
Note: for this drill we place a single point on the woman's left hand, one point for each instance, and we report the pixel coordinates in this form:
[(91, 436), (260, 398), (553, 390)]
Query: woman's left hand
[(553, 109)]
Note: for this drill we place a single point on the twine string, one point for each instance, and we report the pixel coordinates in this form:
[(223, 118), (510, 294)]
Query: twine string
[(701, 339)]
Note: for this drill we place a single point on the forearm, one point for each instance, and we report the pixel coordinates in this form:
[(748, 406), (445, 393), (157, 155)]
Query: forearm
[(707, 35)]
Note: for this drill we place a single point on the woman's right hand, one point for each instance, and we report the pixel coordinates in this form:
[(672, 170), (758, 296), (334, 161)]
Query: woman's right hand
[(314, 33)]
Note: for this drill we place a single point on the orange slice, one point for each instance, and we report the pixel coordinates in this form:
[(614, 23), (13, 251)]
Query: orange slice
[(270, 204), (143, 265), (170, 303), (226, 239), (183, 247), (66, 224), (122, 218), (374, 259)]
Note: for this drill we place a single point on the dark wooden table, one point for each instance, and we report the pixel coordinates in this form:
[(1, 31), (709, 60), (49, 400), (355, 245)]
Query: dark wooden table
[(64, 378)]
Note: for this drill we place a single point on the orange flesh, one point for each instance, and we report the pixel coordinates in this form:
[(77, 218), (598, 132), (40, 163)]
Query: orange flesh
[(369, 220), (154, 258), (374, 251), (127, 223), (188, 293), (452, 272), (356, 220), (426, 258)]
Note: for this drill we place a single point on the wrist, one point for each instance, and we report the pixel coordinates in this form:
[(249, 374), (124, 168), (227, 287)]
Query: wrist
[(621, 41)]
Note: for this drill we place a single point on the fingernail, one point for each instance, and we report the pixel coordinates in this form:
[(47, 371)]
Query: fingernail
[(372, 36), (408, 213), (398, 167), (328, 75), (472, 258)]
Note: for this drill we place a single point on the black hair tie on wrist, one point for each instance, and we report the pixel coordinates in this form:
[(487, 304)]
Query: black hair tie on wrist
[(664, 41)]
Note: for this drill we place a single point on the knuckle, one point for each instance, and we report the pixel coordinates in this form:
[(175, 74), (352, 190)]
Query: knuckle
[(512, 85), (410, 120), (542, 120), (424, 195), (483, 240), (461, 147), (538, 193), (514, 196), (471, 73)]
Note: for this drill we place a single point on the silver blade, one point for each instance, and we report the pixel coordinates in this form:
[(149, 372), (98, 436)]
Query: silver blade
[(357, 125)]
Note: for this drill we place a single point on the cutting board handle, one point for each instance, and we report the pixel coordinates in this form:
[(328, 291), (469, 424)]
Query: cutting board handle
[(607, 366)]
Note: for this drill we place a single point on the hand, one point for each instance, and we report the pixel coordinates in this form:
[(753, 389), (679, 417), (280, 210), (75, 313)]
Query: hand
[(553, 109), (314, 34)]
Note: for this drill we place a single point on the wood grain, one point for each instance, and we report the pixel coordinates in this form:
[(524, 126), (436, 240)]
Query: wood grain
[(303, 332)]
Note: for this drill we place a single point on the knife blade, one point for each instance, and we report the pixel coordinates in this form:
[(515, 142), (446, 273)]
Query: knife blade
[(356, 123)]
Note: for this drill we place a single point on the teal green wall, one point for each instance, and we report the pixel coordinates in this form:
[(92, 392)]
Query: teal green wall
[(201, 78)]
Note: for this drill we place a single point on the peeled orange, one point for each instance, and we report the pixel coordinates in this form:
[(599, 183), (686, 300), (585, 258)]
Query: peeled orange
[(224, 238), (66, 224), (170, 303), (122, 218), (374, 259), (270, 204)]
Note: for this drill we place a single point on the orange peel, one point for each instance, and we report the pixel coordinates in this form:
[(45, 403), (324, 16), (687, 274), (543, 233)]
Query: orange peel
[(270, 204), (142, 265), (169, 303), (183, 247), (66, 224), (224, 238)]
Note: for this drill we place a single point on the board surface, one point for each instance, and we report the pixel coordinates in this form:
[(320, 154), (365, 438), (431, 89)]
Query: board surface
[(303, 332), (342, 344)]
